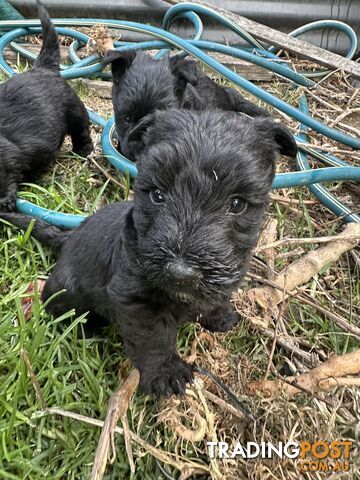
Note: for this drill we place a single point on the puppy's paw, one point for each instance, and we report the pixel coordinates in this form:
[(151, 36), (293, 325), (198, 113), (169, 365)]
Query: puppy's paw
[(83, 150), (219, 321), (8, 204), (169, 378)]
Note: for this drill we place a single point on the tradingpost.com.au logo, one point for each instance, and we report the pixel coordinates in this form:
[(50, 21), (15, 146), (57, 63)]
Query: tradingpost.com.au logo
[(317, 456)]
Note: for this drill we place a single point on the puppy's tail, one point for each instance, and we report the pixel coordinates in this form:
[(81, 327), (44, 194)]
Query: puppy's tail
[(49, 56), (42, 231)]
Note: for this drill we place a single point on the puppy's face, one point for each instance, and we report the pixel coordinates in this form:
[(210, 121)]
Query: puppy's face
[(201, 192), (141, 85)]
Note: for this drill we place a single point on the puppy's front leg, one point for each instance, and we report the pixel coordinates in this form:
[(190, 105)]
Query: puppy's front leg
[(149, 338), (152, 349), (220, 319)]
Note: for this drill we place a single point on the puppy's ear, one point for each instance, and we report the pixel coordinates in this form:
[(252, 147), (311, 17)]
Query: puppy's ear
[(184, 70), (137, 133), (120, 61), (285, 140), (280, 135), (191, 99)]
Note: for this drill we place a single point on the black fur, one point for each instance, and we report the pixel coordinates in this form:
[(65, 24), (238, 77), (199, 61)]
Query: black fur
[(142, 85), (197, 91), (155, 266), (37, 109)]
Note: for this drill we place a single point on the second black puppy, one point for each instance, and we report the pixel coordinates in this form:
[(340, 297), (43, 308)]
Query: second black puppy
[(178, 251), (37, 109), (142, 85)]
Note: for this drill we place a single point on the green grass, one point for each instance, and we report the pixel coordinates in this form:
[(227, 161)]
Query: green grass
[(77, 374), (81, 89), (73, 187)]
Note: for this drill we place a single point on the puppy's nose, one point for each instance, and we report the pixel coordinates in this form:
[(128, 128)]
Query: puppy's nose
[(182, 272)]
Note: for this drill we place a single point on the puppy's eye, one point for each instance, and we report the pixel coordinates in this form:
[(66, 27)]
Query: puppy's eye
[(127, 119), (237, 206), (157, 197)]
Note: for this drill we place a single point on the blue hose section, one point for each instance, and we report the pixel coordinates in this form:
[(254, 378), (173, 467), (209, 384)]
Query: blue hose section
[(198, 26), (321, 24), (164, 41), (319, 191), (180, 9)]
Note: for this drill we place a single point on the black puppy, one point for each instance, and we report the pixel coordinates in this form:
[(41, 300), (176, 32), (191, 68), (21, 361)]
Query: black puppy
[(142, 85), (37, 109), (178, 251)]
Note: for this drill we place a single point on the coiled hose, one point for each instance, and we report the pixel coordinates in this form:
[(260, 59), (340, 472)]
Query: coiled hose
[(163, 41)]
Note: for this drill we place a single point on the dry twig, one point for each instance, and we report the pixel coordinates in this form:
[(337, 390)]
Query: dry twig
[(118, 404), (223, 404), (302, 241), (290, 344), (304, 268), (268, 236), (321, 377), (292, 201), (343, 115), (340, 321), (128, 446), (105, 172)]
